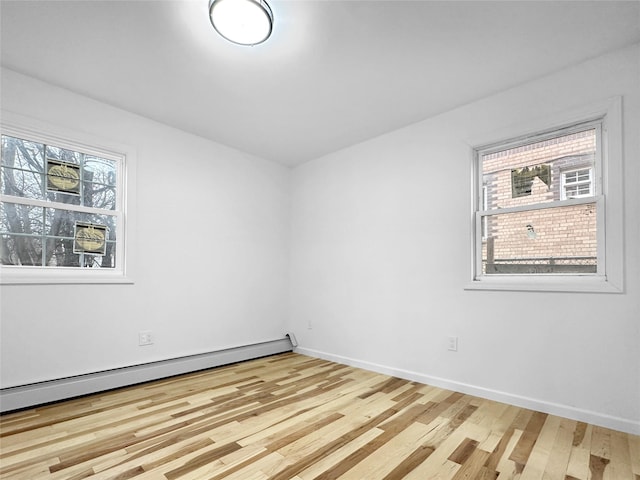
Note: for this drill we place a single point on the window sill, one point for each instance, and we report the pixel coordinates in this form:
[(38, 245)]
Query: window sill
[(586, 284), (56, 276)]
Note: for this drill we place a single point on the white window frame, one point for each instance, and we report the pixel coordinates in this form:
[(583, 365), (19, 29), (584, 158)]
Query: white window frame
[(564, 184), (14, 125), (607, 181)]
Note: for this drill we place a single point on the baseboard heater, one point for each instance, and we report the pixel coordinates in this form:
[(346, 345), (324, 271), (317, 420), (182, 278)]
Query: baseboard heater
[(24, 396)]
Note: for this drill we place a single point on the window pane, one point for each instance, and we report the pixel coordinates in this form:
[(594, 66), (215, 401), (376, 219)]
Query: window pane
[(59, 253), (571, 177), (62, 197), (531, 173), (99, 170), (99, 196), (22, 183), (548, 240), (18, 153), (584, 189), (571, 191), (16, 218), (108, 260), (64, 155), (93, 195), (61, 223), (20, 250), (583, 176)]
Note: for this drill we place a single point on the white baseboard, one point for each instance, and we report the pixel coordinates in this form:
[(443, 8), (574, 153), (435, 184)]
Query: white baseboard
[(24, 396), (587, 416)]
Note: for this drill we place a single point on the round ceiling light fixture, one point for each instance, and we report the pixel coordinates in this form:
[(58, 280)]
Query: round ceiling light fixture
[(245, 22)]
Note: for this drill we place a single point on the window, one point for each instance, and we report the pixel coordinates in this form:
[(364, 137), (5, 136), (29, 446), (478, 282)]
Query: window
[(547, 205), (62, 210), (577, 183), (534, 228)]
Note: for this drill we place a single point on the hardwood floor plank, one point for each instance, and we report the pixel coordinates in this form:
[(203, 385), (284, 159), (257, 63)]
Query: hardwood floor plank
[(601, 443), (202, 459), (620, 459), (409, 463), (323, 464), (495, 425), (167, 451), (579, 434), (384, 456), (507, 468), (597, 466), (334, 446), (561, 452), (291, 417), (523, 449), (438, 465), (634, 453), (501, 436), (461, 454), (472, 466), (542, 448), (580, 453)]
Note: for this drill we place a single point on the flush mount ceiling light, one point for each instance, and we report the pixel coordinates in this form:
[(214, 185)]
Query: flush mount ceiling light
[(245, 22)]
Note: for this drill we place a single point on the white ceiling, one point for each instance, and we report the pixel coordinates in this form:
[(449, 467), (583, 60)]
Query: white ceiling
[(333, 74)]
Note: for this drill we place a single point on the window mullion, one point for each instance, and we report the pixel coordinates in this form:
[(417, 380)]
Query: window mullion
[(538, 206), (478, 246), (598, 181), (600, 235), (62, 206), (44, 237)]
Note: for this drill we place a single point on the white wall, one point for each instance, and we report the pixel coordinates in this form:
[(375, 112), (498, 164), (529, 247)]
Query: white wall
[(211, 260), (381, 255)]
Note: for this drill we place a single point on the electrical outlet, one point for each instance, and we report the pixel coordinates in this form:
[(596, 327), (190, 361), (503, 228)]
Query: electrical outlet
[(145, 338), (452, 344)]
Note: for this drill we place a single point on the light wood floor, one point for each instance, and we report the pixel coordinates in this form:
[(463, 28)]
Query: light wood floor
[(291, 417)]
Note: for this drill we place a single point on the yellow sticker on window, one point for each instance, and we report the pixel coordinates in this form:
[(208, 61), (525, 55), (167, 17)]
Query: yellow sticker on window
[(89, 238), (63, 177)]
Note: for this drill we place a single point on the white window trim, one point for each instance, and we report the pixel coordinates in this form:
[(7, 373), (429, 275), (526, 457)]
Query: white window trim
[(608, 184), (20, 126)]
